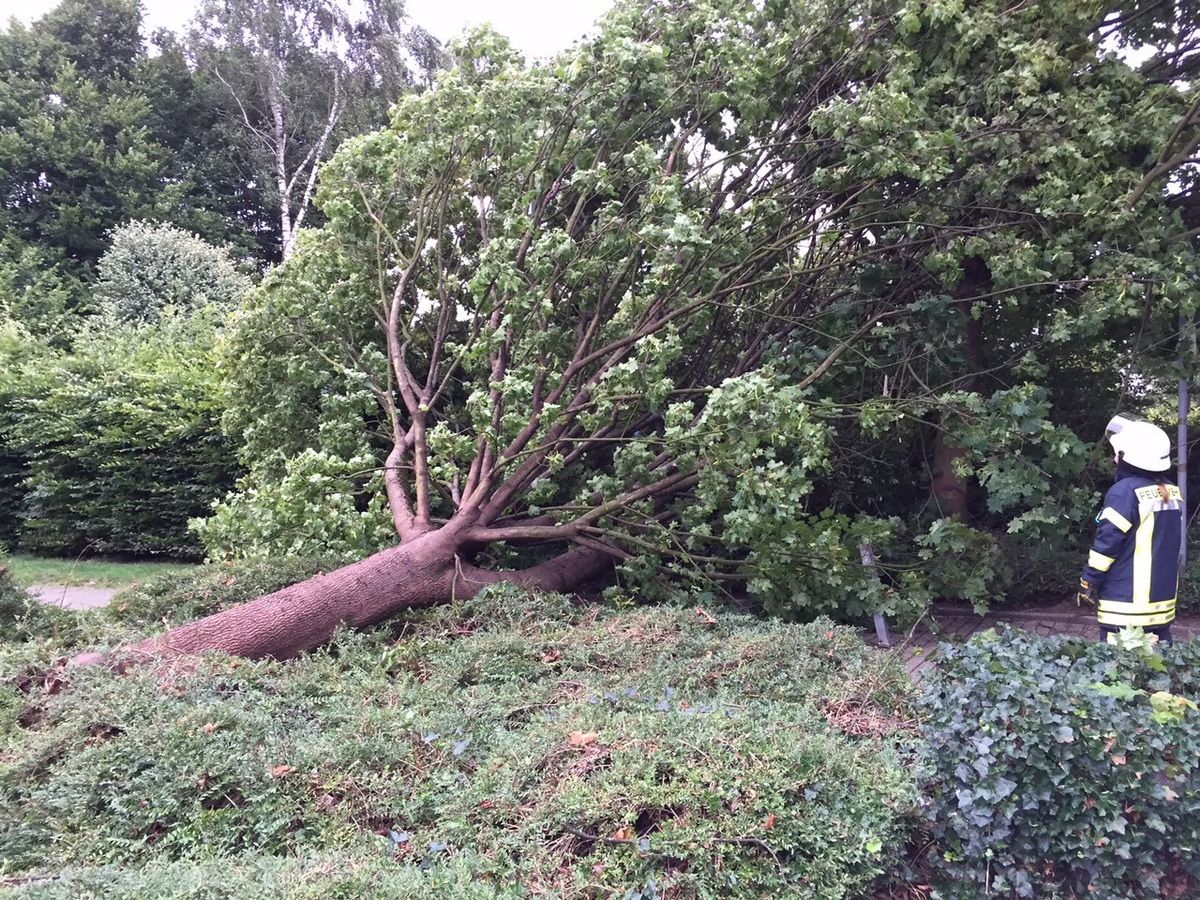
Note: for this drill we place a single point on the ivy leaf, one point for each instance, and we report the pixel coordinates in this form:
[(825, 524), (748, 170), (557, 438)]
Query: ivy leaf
[(1064, 735)]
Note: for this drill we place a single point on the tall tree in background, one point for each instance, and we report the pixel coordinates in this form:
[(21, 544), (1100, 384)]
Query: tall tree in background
[(76, 156), (301, 74), (225, 202), (96, 131)]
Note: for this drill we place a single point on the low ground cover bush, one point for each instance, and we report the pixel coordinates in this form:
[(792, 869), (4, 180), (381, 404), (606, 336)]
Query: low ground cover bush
[(1064, 768), (503, 747), (21, 616)]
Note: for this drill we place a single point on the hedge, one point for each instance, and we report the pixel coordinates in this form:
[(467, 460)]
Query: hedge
[(122, 444)]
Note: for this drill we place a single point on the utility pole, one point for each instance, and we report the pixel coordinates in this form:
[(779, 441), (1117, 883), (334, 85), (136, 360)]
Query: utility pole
[(1187, 359), (1184, 408)]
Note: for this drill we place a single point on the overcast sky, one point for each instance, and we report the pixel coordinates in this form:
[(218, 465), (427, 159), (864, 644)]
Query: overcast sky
[(537, 27)]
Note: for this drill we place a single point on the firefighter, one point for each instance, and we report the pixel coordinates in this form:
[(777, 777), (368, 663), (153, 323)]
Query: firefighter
[(1132, 572)]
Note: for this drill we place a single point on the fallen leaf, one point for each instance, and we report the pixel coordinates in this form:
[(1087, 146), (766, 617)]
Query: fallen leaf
[(582, 738), (769, 822), (1118, 760), (280, 771), (209, 728), (552, 656), (624, 833)]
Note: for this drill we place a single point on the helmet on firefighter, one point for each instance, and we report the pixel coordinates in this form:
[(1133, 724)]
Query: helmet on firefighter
[(1141, 444)]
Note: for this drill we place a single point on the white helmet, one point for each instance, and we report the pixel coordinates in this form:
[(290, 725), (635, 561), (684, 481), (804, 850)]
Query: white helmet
[(1141, 444)]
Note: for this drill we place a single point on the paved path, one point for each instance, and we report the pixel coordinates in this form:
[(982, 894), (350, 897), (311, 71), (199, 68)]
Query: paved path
[(71, 597)]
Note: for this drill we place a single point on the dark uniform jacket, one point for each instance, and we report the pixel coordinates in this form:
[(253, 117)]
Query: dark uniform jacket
[(1134, 563)]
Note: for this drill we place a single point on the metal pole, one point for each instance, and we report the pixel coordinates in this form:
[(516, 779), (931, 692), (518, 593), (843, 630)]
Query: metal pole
[(1184, 408), (1187, 359), (867, 553)]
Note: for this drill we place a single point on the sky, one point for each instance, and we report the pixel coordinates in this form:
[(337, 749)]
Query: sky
[(539, 28)]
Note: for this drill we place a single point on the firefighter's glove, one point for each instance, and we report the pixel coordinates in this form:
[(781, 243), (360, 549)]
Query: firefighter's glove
[(1086, 595)]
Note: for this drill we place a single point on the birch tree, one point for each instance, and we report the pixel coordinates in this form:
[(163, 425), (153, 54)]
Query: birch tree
[(298, 74)]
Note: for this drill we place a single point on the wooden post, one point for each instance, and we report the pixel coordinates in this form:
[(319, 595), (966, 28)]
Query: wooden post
[(1187, 358)]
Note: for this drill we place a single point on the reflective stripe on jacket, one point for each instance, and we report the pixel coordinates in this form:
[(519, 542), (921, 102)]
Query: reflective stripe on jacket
[(1134, 562)]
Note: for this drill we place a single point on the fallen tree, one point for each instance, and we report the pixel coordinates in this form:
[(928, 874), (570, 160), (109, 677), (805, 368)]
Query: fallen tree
[(615, 312)]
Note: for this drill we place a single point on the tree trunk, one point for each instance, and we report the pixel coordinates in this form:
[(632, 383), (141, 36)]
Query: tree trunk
[(949, 489), (424, 572)]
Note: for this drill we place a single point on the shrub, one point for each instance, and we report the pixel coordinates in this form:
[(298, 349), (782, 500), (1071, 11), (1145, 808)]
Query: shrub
[(150, 267), (1063, 768), (122, 442), (566, 751), (19, 353), (21, 616)]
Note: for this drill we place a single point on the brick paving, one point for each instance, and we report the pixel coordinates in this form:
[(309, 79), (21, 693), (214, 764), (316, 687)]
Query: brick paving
[(955, 624)]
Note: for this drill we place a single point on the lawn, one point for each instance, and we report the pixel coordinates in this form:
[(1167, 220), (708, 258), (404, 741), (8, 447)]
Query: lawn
[(29, 570)]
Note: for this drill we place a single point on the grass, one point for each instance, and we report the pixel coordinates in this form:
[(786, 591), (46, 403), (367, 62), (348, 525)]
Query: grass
[(29, 570)]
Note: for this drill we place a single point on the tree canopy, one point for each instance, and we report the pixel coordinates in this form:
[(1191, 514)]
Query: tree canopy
[(719, 296), (298, 76)]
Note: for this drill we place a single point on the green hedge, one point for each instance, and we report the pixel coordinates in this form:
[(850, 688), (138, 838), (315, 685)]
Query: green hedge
[(512, 746), (122, 443), (17, 354), (1064, 768)]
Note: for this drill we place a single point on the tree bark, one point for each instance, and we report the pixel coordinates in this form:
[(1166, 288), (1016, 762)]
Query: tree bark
[(948, 488), (424, 572)]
